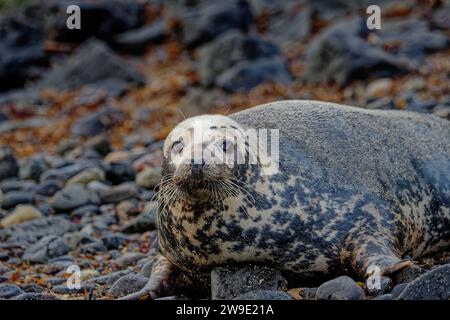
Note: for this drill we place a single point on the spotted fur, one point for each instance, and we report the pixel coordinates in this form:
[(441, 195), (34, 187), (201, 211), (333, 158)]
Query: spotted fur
[(356, 187)]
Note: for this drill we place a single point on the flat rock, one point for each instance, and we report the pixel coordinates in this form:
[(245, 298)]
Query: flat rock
[(341, 288), (31, 231), (73, 197), (47, 248), (8, 290), (21, 214), (433, 285)]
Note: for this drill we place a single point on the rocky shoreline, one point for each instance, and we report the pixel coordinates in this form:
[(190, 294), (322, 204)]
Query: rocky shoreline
[(83, 116)]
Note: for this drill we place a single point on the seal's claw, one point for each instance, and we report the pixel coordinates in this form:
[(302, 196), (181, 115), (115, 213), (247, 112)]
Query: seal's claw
[(162, 271)]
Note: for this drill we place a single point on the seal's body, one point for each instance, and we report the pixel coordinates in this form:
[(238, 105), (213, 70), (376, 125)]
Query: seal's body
[(355, 189)]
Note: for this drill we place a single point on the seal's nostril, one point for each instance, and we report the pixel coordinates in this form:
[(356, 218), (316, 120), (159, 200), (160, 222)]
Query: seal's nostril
[(197, 168)]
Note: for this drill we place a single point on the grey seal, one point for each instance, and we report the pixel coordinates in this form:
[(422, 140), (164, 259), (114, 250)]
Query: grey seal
[(355, 189)]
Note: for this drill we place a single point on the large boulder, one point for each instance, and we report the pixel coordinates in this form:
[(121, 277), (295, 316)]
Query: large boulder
[(8, 164), (94, 62), (21, 49), (342, 52), (204, 22), (433, 285), (245, 60)]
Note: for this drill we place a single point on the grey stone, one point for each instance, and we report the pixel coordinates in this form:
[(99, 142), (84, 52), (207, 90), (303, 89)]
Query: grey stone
[(8, 290), (146, 221), (433, 285), (341, 288), (119, 193), (387, 296), (64, 289), (408, 274), (92, 63), (97, 122), (31, 231), (33, 168), (46, 248), (73, 197), (203, 23), (137, 40), (228, 50), (109, 279), (14, 198), (36, 296), (398, 289), (230, 282)]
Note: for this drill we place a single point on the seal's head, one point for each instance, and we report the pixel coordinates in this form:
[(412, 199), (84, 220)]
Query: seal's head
[(201, 156)]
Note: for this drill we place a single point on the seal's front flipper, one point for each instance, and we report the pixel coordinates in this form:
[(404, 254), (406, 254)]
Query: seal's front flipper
[(369, 254), (160, 277)]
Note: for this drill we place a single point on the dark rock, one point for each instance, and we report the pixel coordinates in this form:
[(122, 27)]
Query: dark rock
[(21, 47), (293, 27), (144, 222), (4, 256), (341, 53), (92, 63), (64, 172), (119, 193), (93, 248), (341, 288), (87, 210), (308, 293), (33, 168), (46, 248), (127, 284), (14, 198), (49, 188), (76, 239), (36, 296), (228, 50), (97, 122), (203, 23), (264, 295), (100, 19), (248, 74), (385, 286), (398, 289), (408, 274), (8, 164), (113, 241), (33, 288), (230, 282), (99, 143), (64, 289), (137, 40), (433, 285), (73, 197), (120, 172), (8, 290), (440, 18)]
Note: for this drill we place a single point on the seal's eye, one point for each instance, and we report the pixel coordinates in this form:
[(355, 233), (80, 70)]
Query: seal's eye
[(226, 144), (177, 146)]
